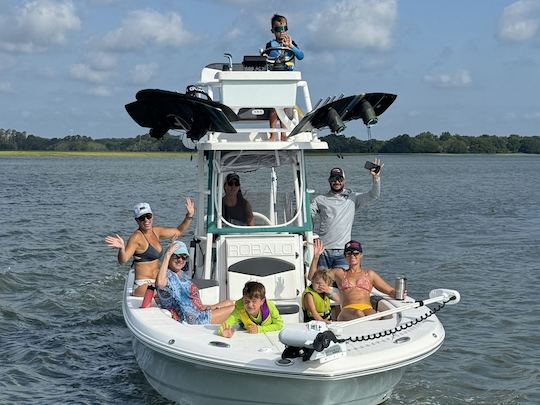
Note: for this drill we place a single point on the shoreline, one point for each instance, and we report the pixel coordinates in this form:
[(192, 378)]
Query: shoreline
[(189, 154), (93, 154)]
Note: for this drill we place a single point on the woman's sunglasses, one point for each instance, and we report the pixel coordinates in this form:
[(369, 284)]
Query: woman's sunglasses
[(178, 257), (353, 252), (233, 183), (143, 217)]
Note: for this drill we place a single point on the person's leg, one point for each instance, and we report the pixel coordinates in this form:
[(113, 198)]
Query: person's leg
[(273, 122), (283, 134), (348, 314), (369, 311), (219, 315)]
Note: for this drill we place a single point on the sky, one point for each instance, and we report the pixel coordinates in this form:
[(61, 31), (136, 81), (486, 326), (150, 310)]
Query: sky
[(469, 67)]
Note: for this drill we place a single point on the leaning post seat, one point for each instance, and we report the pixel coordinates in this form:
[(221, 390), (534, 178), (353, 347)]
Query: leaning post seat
[(275, 261)]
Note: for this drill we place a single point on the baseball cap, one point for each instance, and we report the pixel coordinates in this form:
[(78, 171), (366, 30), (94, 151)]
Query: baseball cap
[(337, 172), (232, 176), (181, 248), (352, 245), (141, 209)]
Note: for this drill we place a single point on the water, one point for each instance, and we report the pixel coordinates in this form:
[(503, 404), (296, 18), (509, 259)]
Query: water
[(470, 223)]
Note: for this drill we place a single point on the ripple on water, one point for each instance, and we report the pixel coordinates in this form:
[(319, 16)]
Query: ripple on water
[(468, 225)]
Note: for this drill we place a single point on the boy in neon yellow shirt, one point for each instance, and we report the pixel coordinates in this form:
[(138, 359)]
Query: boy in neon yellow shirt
[(253, 311)]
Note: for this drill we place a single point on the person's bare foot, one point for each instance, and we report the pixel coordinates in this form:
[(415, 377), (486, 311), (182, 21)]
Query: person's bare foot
[(284, 136)]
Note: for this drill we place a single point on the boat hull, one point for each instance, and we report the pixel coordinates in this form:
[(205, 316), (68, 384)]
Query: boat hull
[(190, 383)]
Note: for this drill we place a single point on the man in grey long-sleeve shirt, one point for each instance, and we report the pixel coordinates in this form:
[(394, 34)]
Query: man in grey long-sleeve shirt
[(336, 209)]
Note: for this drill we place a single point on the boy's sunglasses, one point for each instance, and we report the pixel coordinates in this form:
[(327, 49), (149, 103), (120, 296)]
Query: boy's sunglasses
[(143, 217), (280, 28), (178, 257), (353, 252), (233, 183)]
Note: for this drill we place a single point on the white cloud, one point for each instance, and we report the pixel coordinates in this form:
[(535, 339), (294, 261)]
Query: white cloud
[(355, 24), (37, 25), (234, 34), (519, 21), (461, 78), (143, 28), (532, 116), (101, 61), (85, 73), (144, 73)]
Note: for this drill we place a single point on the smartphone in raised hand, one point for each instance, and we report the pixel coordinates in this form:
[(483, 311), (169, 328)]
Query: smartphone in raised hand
[(372, 167)]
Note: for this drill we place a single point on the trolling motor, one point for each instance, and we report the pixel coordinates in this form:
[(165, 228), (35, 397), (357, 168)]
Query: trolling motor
[(314, 342)]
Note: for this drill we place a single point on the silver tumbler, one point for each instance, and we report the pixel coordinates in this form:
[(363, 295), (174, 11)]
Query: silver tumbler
[(401, 288)]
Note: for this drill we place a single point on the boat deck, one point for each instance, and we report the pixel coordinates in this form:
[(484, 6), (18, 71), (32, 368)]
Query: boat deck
[(155, 328)]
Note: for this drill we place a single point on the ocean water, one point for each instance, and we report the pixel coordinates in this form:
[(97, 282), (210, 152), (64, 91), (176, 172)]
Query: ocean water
[(470, 223)]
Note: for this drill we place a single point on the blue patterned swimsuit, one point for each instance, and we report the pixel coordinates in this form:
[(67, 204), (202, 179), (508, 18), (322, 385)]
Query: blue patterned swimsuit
[(182, 296)]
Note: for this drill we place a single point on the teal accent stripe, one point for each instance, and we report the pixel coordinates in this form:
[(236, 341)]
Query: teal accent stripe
[(210, 202), (213, 229)]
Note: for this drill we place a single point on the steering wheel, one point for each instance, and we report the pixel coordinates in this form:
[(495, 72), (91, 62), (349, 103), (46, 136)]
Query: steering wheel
[(282, 54), (258, 215)]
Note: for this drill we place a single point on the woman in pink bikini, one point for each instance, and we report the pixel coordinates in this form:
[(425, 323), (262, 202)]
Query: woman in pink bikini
[(143, 244), (354, 284)]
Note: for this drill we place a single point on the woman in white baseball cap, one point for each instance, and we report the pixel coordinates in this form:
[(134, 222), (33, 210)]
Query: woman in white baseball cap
[(143, 244)]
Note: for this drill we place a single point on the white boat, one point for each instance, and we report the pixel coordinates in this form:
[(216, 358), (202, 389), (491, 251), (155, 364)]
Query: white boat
[(356, 362)]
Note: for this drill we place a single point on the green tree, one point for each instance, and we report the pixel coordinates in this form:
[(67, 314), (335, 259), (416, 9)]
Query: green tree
[(530, 145), (399, 144), (426, 142)]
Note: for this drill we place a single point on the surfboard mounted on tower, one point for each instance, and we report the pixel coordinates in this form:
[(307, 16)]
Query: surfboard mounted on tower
[(162, 110), (334, 113)]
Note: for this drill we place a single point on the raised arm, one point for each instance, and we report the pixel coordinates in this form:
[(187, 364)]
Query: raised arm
[(161, 279), (124, 252), (173, 233), (363, 199), (288, 42), (318, 248)]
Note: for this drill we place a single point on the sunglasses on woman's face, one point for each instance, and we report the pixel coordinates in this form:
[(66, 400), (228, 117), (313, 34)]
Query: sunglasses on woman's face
[(233, 183), (353, 252), (280, 28), (179, 257), (143, 217)]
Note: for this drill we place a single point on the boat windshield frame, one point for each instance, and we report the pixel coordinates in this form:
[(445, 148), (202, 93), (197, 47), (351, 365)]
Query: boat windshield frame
[(221, 163)]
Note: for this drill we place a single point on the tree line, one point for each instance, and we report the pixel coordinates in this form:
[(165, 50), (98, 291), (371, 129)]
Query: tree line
[(425, 142)]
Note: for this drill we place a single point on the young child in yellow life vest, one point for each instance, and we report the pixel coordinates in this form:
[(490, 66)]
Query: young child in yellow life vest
[(316, 297), (253, 311)]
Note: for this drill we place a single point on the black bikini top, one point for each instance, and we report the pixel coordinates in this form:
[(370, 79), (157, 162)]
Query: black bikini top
[(149, 255)]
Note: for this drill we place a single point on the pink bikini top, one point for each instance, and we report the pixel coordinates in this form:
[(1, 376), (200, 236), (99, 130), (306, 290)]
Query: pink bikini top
[(364, 282)]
